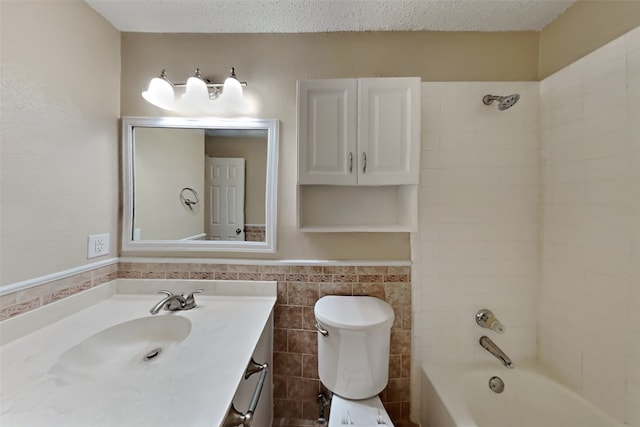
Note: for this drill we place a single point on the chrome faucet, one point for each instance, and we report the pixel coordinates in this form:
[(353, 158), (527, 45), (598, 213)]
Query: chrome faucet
[(487, 319), (175, 302), (493, 348)]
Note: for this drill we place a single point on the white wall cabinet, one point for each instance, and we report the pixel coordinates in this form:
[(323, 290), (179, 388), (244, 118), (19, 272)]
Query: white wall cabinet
[(358, 154), (327, 122), (359, 131)]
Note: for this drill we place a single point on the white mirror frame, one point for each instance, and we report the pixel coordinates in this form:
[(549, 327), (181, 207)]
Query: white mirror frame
[(269, 245)]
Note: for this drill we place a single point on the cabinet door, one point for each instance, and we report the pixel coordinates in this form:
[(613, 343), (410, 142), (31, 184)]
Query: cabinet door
[(389, 131), (327, 131)]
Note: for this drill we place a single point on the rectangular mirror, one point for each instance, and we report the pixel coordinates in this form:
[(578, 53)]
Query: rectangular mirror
[(199, 184)]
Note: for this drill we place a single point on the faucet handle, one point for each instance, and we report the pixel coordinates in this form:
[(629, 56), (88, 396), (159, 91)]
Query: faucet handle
[(164, 291), (190, 301), (487, 319)]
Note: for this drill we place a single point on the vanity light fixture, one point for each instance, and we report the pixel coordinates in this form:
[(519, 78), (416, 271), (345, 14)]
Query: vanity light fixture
[(200, 96)]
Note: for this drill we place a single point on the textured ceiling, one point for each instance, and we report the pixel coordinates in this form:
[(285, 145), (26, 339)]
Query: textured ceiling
[(310, 16)]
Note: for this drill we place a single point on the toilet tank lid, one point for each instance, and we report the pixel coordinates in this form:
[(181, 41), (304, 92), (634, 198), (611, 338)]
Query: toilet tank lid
[(353, 312)]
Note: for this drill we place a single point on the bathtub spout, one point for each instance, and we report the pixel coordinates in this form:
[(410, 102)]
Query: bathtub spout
[(493, 348)]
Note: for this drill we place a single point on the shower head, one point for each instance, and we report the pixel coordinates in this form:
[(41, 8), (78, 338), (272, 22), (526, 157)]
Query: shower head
[(504, 102)]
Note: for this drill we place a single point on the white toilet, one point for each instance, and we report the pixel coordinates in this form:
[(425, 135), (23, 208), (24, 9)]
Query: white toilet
[(353, 357)]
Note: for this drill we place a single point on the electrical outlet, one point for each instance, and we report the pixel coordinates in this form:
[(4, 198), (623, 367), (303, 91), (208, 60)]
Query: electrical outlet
[(98, 245)]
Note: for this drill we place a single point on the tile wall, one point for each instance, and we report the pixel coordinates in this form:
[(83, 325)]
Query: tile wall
[(255, 233), (589, 322), (29, 299), (295, 374), (296, 383), (477, 243)]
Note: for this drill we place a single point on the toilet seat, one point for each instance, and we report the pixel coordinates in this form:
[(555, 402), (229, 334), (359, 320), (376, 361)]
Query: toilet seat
[(365, 413)]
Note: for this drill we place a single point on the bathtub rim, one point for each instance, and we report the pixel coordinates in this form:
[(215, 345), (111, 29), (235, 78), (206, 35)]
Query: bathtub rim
[(447, 378)]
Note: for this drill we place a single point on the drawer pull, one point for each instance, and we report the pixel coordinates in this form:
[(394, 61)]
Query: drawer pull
[(255, 367), (236, 418)]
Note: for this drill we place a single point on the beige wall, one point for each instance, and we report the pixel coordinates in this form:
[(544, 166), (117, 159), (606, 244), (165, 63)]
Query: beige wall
[(272, 63), (59, 154), (583, 28), (166, 161)]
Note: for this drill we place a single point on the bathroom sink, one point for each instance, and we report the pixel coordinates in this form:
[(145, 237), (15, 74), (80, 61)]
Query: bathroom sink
[(123, 348)]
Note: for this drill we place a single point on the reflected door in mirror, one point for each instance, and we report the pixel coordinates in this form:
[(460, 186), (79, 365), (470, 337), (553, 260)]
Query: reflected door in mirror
[(225, 198)]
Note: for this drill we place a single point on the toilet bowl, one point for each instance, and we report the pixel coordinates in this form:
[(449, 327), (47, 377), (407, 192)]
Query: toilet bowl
[(353, 357)]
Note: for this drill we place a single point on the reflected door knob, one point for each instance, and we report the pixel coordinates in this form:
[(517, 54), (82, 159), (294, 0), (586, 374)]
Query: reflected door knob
[(238, 231)]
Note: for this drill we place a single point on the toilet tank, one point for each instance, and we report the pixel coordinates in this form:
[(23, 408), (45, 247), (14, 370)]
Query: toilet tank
[(353, 356)]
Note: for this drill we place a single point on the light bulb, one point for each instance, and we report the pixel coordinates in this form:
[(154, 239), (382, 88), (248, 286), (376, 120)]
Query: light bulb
[(231, 99), (196, 96), (160, 93)]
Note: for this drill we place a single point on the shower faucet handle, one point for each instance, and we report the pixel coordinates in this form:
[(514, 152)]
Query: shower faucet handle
[(486, 319)]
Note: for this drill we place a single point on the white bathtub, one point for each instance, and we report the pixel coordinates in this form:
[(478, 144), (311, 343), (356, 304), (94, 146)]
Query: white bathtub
[(459, 396)]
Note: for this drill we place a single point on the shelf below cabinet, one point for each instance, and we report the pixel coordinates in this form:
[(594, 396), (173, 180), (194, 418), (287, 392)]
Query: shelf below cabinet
[(330, 209)]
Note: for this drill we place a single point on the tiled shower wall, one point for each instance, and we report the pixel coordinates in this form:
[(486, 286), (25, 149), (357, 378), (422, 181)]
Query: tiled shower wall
[(295, 373), (478, 223), (589, 327)]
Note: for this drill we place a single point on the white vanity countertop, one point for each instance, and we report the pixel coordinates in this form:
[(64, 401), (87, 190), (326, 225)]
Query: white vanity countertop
[(191, 383)]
